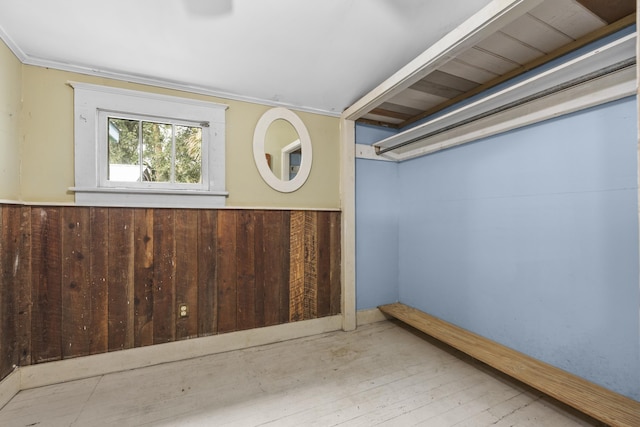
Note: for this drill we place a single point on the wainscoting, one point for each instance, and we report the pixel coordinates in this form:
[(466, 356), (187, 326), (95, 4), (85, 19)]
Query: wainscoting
[(77, 281)]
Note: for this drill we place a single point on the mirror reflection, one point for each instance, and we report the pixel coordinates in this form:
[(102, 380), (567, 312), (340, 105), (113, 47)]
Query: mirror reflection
[(283, 151)]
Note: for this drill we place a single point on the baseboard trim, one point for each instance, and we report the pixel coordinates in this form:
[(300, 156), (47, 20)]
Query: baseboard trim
[(49, 373), (124, 360), (9, 387)]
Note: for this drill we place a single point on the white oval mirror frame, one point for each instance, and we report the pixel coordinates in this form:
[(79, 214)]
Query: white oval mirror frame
[(259, 136)]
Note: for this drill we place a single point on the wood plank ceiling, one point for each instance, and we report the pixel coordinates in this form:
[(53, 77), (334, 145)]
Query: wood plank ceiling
[(548, 31)]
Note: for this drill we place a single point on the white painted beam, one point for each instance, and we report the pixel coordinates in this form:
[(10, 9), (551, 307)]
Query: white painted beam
[(348, 205), (489, 19)]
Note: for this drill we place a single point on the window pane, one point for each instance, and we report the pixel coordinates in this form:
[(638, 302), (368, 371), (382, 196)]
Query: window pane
[(156, 151), (124, 156), (188, 154)]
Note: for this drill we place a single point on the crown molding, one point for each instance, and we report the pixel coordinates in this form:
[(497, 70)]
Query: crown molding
[(151, 81)]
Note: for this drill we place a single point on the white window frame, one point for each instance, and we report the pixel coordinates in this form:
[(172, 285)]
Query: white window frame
[(93, 103)]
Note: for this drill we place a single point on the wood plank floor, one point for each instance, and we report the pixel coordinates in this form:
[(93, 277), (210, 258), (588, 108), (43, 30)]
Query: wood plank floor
[(381, 374)]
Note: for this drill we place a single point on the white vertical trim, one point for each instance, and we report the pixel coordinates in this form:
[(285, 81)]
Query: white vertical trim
[(348, 204), (638, 146)]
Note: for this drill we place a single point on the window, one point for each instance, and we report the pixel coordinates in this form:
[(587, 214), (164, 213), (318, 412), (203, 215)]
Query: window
[(155, 151), (141, 149)]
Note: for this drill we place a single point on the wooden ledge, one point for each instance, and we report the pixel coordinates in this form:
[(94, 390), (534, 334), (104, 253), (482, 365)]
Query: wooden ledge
[(587, 397)]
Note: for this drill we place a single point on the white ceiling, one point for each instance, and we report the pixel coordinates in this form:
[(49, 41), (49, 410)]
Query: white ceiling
[(315, 55)]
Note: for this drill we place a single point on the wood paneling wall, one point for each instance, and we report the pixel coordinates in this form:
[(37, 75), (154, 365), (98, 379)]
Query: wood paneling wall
[(76, 281)]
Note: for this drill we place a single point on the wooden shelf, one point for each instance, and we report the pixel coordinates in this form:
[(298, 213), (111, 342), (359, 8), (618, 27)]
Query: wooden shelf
[(592, 399)]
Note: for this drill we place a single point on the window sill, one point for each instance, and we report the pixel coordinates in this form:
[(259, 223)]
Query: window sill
[(145, 198)]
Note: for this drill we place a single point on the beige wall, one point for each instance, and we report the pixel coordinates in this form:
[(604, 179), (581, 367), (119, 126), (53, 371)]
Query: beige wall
[(10, 93), (47, 128)]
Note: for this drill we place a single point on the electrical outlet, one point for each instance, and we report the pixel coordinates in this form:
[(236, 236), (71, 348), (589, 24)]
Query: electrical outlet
[(183, 310)]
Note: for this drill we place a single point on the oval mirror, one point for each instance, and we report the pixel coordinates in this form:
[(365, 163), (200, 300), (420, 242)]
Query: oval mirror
[(282, 149)]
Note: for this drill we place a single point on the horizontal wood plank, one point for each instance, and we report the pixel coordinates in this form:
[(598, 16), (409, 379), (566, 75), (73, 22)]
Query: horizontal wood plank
[(592, 399), (610, 10), (568, 18), (536, 62)]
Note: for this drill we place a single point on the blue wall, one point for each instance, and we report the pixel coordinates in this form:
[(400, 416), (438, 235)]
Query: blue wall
[(530, 238), (377, 233)]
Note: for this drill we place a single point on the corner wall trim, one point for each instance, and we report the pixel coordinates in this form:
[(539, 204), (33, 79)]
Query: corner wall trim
[(348, 236), (598, 402)]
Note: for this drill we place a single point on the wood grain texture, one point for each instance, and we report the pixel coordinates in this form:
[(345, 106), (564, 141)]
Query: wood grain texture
[(296, 266), (335, 245), (592, 399), (323, 264), (99, 281), (144, 277), (121, 291), (260, 294), (390, 114), (23, 295), (5, 300), (226, 269), (186, 282), (269, 267), (310, 301), (285, 294), (207, 274), (46, 284), (245, 270), (164, 303), (77, 281), (76, 286), (9, 235)]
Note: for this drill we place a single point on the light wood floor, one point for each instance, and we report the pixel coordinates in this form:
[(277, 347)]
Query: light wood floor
[(381, 374)]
